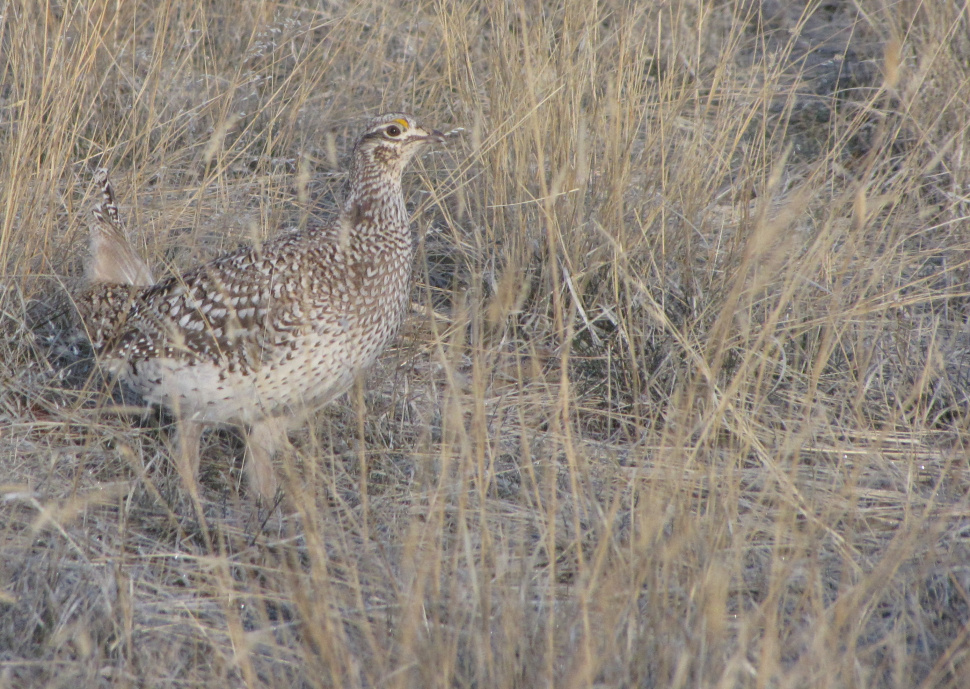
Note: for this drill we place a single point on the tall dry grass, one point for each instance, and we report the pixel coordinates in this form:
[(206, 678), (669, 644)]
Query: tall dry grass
[(681, 402)]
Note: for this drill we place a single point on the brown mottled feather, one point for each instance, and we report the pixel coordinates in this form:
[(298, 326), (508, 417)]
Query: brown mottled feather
[(263, 333)]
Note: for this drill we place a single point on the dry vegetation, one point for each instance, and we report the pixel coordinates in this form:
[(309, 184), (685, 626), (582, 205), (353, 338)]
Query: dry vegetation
[(682, 401)]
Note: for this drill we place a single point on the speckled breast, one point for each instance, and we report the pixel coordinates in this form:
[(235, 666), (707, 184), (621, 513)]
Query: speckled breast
[(307, 370)]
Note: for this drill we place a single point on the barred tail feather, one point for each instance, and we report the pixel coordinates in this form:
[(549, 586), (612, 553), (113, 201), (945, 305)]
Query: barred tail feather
[(113, 260)]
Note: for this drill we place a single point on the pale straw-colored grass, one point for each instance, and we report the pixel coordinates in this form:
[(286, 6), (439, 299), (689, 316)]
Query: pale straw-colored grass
[(681, 401)]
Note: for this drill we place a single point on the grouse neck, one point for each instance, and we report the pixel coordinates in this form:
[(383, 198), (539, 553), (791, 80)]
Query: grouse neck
[(375, 203)]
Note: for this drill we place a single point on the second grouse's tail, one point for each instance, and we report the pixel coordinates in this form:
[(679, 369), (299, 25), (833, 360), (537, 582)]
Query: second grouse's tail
[(113, 260)]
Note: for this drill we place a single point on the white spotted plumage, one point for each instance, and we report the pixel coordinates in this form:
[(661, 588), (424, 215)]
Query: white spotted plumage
[(258, 336)]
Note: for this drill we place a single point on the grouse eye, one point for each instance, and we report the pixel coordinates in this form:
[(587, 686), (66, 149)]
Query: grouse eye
[(394, 130)]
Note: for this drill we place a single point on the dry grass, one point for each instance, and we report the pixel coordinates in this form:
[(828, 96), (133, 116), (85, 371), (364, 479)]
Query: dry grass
[(682, 401)]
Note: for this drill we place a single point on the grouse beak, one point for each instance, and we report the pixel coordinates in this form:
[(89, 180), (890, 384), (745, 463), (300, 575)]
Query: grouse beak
[(432, 136)]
